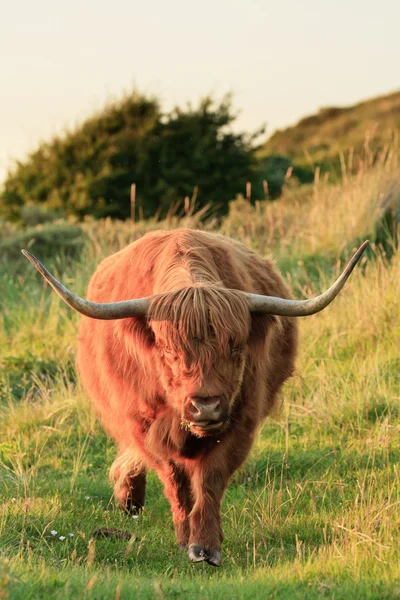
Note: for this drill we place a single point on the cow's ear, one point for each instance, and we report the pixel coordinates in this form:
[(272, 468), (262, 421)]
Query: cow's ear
[(136, 333), (260, 326), (145, 332)]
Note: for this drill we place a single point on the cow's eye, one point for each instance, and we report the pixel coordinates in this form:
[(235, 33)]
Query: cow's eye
[(235, 350)]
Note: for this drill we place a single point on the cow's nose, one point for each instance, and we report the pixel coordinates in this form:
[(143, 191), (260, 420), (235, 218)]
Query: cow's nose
[(205, 409)]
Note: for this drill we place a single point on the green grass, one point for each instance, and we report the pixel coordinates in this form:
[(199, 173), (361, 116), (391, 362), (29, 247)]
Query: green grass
[(314, 513)]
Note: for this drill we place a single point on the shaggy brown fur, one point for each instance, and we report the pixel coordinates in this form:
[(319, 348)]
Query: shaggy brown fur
[(198, 340)]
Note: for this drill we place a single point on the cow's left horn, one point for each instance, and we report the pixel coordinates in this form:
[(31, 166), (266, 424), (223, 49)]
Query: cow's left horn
[(95, 310), (302, 308)]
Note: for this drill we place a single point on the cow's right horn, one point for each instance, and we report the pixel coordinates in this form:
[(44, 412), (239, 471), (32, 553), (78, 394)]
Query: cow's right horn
[(95, 310)]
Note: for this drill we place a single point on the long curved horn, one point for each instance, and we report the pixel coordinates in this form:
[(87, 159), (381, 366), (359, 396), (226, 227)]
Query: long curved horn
[(302, 308), (95, 310), (140, 306)]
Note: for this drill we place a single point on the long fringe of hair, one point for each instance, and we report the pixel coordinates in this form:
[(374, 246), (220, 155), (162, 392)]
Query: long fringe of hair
[(202, 318)]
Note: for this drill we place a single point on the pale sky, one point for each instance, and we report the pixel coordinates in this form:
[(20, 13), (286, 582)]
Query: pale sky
[(282, 59)]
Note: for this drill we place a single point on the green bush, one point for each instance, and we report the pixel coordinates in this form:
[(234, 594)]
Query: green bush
[(274, 169), (89, 171), (32, 215), (44, 240)]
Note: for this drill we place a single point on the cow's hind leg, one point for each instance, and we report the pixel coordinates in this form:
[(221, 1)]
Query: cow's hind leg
[(129, 475)]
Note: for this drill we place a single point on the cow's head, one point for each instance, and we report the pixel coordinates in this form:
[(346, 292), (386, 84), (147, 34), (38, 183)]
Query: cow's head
[(201, 336)]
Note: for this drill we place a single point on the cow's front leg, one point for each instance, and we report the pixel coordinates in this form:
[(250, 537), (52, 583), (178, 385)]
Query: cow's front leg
[(130, 491), (177, 490), (205, 519), (129, 477), (210, 478)]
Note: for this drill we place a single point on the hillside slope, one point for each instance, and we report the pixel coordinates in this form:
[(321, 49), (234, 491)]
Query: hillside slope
[(319, 138)]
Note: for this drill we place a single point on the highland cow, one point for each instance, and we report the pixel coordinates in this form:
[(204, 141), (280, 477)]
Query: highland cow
[(186, 341)]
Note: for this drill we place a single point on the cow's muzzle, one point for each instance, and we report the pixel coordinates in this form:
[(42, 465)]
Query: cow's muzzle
[(207, 413), (207, 408)]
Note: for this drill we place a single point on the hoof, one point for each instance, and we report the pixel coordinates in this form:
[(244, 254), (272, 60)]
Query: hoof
[(199, 554), (214, 558)]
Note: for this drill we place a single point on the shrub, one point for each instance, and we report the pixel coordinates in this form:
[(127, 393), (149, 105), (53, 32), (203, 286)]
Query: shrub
[(35, 215), (44, 240), (89, 171)]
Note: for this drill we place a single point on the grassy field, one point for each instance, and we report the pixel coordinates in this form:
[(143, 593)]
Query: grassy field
[(315, 512)]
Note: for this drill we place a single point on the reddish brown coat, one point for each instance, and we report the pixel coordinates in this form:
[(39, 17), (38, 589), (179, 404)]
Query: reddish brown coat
[(198, 340)]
